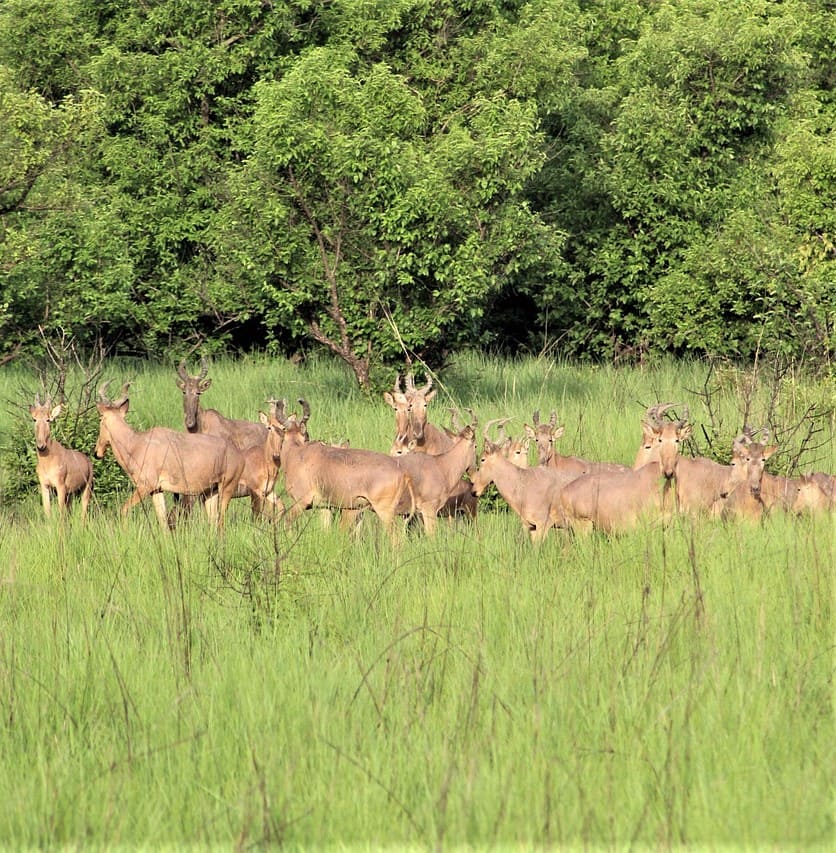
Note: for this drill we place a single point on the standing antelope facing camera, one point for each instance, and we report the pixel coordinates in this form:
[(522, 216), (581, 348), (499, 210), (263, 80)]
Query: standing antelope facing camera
[(164, 460), (241, 433), (614, 501), (68, 472), (411, 422), (744, 486)]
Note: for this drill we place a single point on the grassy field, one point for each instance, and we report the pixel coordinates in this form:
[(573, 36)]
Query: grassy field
[(310, 688)]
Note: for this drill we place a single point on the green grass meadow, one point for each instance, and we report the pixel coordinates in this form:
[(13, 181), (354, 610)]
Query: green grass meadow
[(313, 688)]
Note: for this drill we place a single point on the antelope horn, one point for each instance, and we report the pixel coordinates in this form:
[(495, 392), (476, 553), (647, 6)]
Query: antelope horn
[(553, 419), (535, 418), (473, 419), (101, 392), (123, 394), (426, 388), (686, 414), (410, 383), (489, 424), (181, 370), (204, 367), (397, 388), (306, 410), (454, 420)]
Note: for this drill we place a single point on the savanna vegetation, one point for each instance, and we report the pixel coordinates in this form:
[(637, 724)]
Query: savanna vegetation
[(598, 178), (308, 687)]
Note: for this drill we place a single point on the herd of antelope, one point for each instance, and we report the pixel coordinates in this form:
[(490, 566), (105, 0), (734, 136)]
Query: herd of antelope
[(429, 471)]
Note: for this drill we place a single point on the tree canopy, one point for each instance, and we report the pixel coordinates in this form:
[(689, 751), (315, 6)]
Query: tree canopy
[(399, 178)]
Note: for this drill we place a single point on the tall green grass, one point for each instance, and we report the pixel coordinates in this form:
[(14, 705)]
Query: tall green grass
[(312, 688)]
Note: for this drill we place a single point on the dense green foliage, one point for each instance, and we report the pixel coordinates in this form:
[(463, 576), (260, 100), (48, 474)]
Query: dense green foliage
[(605, 176), (307, 689)]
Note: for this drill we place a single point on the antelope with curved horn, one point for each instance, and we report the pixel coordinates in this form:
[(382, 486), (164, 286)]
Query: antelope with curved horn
[(744, 485), (320, 475), (68, 472), (702, 484), (616, 500), (163, 460), (545, 436), (241, 433), (532, 493), (411, 422)]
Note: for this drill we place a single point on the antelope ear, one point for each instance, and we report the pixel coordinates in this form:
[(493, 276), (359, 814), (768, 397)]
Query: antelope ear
[(530, 431), (56, 411), (204, 385), (181, 385), (768, 451), (388, 398), (32, 411), (264, 419), (558, 432), (684, 432), (411, 445), (430, 395), (124, 406)]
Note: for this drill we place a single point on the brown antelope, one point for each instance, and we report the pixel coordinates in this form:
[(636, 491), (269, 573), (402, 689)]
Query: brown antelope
[(68, 472), (261, 468), (701, 483), (437, 479), (615, 500), (814, 493), (163, 460), (411, 422), (545, 435), (744, 485), (532, 493), (778, 492), (241, 433), (320, 475)]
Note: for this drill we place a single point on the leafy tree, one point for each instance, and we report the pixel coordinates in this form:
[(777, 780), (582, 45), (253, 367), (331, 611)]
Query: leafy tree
[(382, 216)]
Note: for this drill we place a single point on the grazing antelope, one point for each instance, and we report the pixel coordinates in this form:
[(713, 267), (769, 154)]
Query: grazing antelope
[(545, 435), (241, 433), (68, 472), (744, 485), (815, 492), (532, 493), (615, 500), (411, 422), (437, 479), (317, 474), (164, 460)]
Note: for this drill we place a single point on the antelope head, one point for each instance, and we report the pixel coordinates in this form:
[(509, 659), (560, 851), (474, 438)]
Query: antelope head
[(192, 387), (662, 438), (419, 399), (399, 401), (544, 435), (107, 410), (748, 460), (43, 414)]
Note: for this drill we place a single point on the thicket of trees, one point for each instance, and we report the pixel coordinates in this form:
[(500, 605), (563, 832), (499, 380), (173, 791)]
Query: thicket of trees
[(602, 176)]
